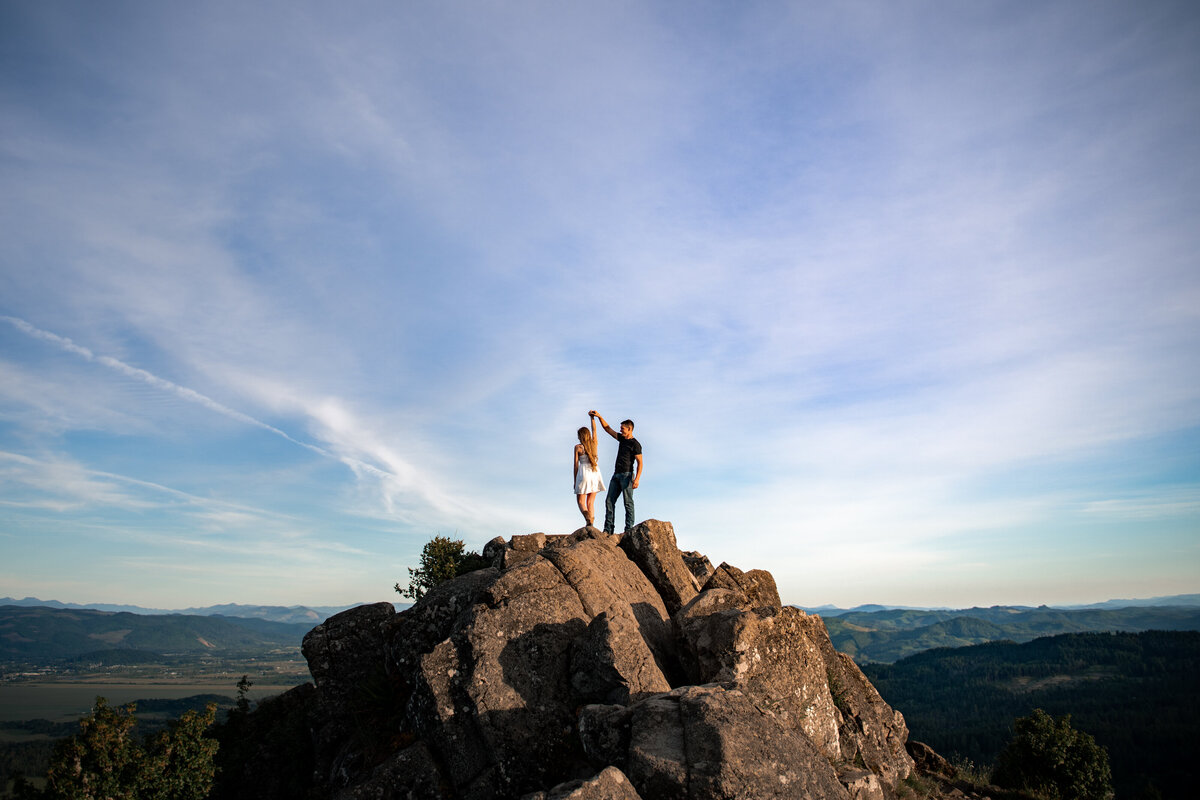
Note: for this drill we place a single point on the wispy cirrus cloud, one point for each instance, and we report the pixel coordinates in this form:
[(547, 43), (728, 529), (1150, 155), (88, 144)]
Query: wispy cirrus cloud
[(398, 482), (137, 373), (62, 485)]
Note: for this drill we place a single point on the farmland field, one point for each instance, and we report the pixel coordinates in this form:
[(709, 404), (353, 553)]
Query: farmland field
[(65, 701)]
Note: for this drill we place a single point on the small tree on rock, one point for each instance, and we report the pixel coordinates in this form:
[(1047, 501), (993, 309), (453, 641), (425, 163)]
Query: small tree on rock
[(1050, 759), (243, 695), (442, 558)]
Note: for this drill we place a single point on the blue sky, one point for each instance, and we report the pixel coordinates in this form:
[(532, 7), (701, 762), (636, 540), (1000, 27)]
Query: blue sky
[(904, 298)]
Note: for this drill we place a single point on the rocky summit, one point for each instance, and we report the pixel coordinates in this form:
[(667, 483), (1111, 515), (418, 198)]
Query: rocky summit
[(585, 666)]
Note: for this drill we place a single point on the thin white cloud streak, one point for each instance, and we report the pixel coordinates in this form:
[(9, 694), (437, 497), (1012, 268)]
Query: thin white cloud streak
[(398, 481), (340, 427), (1180, 503), (63, 485), (410, 494), (416, 495), (159, 383), (78, 487)]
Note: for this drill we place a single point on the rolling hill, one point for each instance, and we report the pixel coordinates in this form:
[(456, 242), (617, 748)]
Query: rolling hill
[(891, 634), (1136, 693), (36, 634)]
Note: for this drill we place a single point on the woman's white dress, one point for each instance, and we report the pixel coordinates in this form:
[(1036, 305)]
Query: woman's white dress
[(587, 480)]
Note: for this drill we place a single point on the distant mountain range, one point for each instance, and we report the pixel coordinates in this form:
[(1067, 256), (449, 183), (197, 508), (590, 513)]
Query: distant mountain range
[(318, 614), (36, 634), (313, 615), (891, 634), (1169, 600)]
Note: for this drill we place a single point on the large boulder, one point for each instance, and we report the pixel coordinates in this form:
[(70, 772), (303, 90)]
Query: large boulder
[(345, 651), (607, 581), (613, 664), (497, 688), (707, 742), (346, 656), (416, 630), (523, 647), (757, 585), (651, 545), (783, 659), (871, 731)]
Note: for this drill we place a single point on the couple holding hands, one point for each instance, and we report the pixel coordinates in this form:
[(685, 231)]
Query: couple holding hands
[(624, 480)]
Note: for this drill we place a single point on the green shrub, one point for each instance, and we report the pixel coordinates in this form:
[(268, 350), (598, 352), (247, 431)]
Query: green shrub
[(442, 558), (1050, 759), (107, 760)]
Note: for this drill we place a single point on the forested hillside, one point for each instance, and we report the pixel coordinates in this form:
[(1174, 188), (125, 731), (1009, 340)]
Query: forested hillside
[(1136, 693), (889, 635)]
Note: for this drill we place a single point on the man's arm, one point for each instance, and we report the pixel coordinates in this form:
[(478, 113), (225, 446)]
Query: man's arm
[(637, 475), (604, 424)]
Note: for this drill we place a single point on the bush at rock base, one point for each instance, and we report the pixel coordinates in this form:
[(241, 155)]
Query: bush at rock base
[(1048, 758)]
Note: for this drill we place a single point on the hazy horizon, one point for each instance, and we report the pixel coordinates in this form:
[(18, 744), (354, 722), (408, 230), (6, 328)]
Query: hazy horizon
[(1138, 601), (903, 298)]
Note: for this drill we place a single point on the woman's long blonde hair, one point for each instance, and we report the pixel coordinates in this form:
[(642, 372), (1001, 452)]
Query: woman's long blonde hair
[(589, 446)]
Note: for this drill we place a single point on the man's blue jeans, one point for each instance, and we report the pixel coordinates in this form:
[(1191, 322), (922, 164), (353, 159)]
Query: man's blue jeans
[(621, 483)]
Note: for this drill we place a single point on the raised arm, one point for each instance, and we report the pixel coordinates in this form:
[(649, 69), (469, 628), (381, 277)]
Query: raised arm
[(596, 416)]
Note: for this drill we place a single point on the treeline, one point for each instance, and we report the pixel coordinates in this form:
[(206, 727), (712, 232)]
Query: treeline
[(891, 634), (1136, 693)]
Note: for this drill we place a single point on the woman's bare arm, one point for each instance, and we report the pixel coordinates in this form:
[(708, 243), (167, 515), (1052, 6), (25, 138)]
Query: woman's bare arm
[(607, 429)]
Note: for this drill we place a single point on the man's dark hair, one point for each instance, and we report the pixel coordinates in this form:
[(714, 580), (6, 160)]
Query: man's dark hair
[(628, 422)]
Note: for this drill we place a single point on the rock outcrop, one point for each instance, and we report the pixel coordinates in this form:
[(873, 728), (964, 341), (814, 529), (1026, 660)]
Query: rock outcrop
[(592, 666)]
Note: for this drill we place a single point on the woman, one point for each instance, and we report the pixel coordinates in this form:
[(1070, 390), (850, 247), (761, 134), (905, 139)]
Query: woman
[(587, 472)]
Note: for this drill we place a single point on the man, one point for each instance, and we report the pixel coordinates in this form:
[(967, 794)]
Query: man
[(625, 478)]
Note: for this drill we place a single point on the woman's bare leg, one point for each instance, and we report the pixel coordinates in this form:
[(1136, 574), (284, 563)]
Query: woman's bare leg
[(591, 506), (583, 509)]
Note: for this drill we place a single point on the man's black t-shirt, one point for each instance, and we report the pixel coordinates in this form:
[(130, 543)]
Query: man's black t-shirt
[(626, 450)]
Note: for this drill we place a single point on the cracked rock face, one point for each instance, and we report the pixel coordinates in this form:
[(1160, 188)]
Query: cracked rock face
[(651, 545), (757, 586), (709, 741), (560, 672), (783, 659)]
